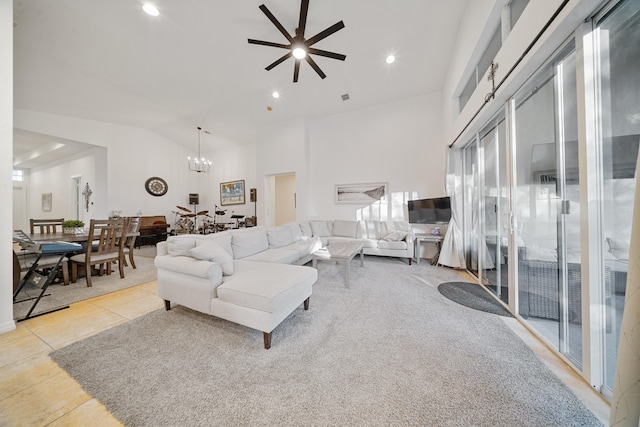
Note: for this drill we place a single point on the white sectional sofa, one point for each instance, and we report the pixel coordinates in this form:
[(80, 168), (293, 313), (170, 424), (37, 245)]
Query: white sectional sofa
[(381, 238), (255, 276), (239, 275)]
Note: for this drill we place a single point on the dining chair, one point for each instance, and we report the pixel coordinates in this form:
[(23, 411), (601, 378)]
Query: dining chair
[(104, 250), (133, 231), (47, 226)]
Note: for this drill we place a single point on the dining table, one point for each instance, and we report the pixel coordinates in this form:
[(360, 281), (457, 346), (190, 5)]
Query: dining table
[(38, 239)]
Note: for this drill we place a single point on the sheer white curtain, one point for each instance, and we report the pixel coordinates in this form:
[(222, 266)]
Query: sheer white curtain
[(452, 253), (625, 406)]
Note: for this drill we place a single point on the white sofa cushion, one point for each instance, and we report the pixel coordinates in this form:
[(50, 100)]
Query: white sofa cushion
[(321, 228), (180, 245), (295, 230), (305, 228), (371, 229), (395, 236), (278, 255), (386, 227), (249, 241), (402, 225), (211, 251), (306, 247), (383, 244), (370, 243), (280, 236), (190, 267), (344, 228), (268, 288)]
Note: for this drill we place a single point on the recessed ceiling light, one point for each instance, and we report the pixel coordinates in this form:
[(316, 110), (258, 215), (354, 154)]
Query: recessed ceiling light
[(275, 95), (151, 9), (391, 59)]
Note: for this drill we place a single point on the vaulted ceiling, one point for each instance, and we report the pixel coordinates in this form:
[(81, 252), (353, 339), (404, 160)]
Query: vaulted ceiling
[(192, 65)]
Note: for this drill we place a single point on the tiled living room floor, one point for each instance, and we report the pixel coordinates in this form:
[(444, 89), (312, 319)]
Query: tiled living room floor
[(34, 391)]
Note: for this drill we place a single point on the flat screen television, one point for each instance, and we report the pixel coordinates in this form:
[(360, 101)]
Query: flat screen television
[(430, 211)]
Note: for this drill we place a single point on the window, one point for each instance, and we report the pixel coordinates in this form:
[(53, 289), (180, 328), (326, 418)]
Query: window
[(516, 7), (18, 175)]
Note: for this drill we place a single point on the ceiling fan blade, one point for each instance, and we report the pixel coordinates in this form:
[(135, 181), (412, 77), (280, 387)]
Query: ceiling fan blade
[(302, 23), (332, 55), (296, 71), (322, 34), (280, 60), (263, 43), (277, 23), (315, 66)]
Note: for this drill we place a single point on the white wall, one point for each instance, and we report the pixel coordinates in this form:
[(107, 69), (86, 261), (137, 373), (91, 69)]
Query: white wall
[(230, 164), (282, 148), (6, 154), (56, 179), (399, 143), (133, 156)]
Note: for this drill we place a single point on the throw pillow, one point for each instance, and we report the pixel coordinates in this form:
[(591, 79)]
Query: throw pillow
[(223, 239), (395, 236), (177, 246), (213, 252)]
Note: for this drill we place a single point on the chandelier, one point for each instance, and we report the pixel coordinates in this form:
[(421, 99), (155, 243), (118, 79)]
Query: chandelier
[(199, 164)]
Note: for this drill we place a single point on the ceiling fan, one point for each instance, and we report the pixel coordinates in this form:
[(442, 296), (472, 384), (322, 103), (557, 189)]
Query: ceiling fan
[(299, 47)]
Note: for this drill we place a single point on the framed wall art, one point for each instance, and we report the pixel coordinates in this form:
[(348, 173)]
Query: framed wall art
[(360, 193), (232, 193), (46, 202)]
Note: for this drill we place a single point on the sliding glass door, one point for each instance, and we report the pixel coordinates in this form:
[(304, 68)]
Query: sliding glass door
[(494, 207), (618, 52), (547, 205)]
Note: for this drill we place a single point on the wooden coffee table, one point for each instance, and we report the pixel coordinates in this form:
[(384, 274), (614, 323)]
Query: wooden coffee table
[(340, 252)]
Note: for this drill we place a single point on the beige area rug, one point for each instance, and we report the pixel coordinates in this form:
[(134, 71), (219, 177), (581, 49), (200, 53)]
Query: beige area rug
[(57, 295), (389, 351)]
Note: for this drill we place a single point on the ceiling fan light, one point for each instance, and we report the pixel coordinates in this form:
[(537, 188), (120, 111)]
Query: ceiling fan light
[(299, 53), (150, 9)]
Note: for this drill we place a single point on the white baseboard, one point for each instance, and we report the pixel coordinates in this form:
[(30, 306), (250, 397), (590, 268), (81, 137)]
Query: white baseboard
[(7, 326)]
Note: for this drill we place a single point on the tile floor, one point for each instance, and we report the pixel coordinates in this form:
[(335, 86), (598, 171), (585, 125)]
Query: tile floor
[(34, 391)]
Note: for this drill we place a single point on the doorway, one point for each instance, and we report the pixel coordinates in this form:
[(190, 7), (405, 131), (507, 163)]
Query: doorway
[(284, 198), (76, 195)]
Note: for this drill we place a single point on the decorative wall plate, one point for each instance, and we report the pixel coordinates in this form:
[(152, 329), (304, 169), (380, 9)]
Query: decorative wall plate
[(156, 186)]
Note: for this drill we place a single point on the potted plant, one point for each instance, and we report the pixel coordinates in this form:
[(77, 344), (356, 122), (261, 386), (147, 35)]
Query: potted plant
[(73, 226)]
